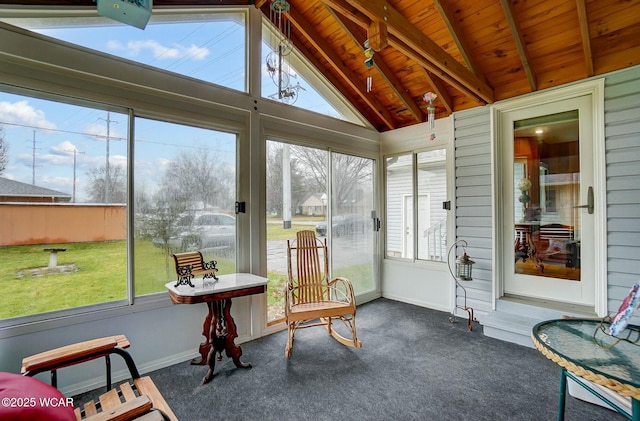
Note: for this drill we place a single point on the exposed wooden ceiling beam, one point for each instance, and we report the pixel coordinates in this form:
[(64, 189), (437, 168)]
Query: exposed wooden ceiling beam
[(377, 35), (360, 19), (303, 27), (387, 74), (448, 16), (349, 11), (440, 90), (586, 38), (339, 84), (520, 45), (432, 56)]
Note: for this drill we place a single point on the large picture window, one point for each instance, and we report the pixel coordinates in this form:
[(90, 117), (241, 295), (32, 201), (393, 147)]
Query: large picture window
[(184, 192), (64, 197), (204, 46), (63, 205)]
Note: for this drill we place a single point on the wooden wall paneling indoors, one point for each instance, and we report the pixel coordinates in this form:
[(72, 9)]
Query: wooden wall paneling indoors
[(469, 52)]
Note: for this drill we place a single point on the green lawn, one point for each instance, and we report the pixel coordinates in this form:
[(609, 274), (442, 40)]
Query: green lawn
[(102, 272), (100, 277)]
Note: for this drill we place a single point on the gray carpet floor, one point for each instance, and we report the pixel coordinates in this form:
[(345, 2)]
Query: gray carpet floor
[(414, 365)]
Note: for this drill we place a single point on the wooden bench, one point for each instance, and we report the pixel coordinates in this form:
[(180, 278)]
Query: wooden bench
[(137, 399), (191, 264)]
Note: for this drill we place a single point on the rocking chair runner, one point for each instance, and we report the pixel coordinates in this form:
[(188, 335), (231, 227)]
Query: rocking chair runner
[(310, 296)]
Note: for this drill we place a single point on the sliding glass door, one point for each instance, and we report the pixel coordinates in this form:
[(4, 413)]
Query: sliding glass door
[(306, 188), (352, 234)]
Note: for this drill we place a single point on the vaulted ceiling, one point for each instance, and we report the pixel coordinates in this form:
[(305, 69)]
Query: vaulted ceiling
[(467, 52)]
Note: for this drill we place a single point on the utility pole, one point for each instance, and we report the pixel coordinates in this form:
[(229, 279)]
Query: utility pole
[(107, 173), (75, 151), (286, 186), (33, 159)]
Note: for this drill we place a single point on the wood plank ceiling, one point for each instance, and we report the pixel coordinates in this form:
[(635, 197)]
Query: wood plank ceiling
[(468, 52)]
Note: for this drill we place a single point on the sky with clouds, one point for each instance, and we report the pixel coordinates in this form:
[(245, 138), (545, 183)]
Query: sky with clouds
[(43, 136)]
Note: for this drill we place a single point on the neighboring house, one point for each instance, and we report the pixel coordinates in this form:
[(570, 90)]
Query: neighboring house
[(16, 191), (431, 217), (313, 205)]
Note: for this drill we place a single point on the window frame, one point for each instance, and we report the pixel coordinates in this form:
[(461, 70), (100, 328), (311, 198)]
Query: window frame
[(156, 94), (413, 141), (58, 318)]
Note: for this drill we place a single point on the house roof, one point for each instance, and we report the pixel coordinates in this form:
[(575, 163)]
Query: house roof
[(14, 188), (312, 199), (468, 52)]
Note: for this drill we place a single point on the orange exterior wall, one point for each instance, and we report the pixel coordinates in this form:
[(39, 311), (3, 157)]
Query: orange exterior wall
[(33, 223)]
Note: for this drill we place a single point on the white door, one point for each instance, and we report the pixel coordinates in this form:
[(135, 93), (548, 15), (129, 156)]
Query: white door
[(548, 178), (407, 227), (424, 222)]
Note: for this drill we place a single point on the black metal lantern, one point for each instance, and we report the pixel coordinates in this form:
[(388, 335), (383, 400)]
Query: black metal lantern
[(464, 265), (463, 273)]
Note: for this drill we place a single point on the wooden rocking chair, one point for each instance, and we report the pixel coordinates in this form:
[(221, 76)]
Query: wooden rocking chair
[(312, 300)]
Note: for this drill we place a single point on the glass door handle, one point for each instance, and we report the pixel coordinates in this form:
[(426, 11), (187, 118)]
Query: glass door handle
[(589, 204)]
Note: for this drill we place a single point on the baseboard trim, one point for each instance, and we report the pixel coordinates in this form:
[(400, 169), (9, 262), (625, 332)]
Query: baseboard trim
[(420, 303), (122, 375)]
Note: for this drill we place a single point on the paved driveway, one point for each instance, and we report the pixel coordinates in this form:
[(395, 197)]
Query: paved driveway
[(350, 251)]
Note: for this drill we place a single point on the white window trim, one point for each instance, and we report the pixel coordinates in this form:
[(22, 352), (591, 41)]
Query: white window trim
[(413, 140)]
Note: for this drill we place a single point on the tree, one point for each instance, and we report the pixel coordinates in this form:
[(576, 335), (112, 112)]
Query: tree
[(4, 152), (348, 172), (197, 178), (161, 221), (192, 181), (117, 191)]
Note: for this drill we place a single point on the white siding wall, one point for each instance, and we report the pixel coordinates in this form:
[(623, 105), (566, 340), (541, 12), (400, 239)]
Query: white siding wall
[(433, 181), (622, 132), (399, 184), (472, 140)]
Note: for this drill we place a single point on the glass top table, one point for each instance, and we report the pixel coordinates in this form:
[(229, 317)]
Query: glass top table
[(584, 350)]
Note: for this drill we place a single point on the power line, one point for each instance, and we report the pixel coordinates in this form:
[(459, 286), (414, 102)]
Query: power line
[(177, 145), (60, 130)]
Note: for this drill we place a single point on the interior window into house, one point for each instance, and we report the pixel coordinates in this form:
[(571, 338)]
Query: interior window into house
[(432, 192), (399, 212), (185, 193), (63, 205), (206, 46)]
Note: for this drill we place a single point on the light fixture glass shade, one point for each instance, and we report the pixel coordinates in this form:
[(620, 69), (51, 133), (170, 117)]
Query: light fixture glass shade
[(464, 266), (131, 12), (523, 184)]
